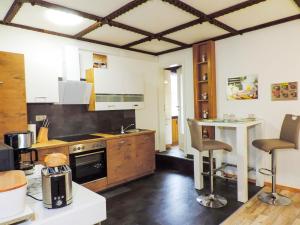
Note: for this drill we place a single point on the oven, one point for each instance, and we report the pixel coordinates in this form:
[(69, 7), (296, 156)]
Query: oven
[(88, 161)]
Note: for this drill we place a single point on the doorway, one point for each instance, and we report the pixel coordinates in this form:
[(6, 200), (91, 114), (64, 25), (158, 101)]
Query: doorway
[(174, 130)]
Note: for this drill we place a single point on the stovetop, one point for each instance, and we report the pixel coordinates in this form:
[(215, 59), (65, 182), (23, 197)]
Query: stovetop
[(78, 137)]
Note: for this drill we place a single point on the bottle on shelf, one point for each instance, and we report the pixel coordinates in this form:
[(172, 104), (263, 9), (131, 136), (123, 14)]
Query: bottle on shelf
[(204, 77), (203, 57)]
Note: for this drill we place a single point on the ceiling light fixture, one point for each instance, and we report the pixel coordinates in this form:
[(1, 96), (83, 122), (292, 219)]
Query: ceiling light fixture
[(63, 18)]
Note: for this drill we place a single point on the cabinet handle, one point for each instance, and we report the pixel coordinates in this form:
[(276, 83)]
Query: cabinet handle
[(122, 142), (1, 82)]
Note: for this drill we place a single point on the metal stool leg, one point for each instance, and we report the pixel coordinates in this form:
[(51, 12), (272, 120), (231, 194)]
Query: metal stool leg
[(274, 198), (211, 200)]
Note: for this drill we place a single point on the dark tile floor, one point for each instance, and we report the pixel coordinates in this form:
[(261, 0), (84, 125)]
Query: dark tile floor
[(167, 198)]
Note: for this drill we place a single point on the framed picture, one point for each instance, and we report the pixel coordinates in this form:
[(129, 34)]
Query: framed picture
[(242, 88), (284, 91), (99, 61)]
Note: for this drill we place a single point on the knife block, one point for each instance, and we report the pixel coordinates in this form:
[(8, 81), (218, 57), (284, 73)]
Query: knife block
[(43, 135)]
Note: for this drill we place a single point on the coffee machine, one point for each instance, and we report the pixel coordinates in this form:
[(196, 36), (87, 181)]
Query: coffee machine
[(21, 143)]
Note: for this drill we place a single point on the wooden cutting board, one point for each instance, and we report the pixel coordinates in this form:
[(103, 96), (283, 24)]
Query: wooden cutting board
[(11, 180)]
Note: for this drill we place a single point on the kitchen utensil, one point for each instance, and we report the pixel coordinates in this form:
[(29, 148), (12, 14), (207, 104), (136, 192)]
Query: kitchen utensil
[(13, 185), (42, 135), (32, 128)]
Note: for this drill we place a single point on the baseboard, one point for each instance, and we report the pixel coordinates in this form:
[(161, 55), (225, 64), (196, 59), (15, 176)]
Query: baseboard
[(268, 184)]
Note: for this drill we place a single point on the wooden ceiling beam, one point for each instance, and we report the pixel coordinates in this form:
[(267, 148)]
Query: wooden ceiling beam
[(12, 12), (182, 5), (72, 37), (235, 8), (297, 2), (88, 29), (107, 19), (64, 9), (124, 9), (246, 30)]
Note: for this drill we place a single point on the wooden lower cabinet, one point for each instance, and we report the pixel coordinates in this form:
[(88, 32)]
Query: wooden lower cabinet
[(120, 159), (129, 158), (145, 154)]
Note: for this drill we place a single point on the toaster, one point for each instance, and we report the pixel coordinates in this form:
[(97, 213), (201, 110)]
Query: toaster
[(56, 186)]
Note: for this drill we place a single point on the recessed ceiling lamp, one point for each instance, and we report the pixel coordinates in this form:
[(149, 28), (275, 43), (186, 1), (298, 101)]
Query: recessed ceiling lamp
[(63, 18)]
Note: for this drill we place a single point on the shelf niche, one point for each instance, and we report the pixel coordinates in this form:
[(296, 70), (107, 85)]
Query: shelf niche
[(205, 84)]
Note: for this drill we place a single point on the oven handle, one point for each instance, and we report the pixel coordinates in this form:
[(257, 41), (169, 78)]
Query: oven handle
[(93, 153)]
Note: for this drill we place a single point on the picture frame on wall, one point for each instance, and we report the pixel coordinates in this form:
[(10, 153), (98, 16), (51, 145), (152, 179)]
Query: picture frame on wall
[(242, 88), (284, 91)]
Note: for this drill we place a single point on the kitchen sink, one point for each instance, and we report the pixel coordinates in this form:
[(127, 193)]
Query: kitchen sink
[(134, 131)]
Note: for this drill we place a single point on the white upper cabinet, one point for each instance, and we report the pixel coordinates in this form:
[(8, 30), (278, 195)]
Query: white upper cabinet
[(71, 63), (42, 70)]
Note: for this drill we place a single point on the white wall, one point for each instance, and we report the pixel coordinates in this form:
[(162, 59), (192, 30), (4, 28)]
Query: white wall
[(32, 43), (274, 55)]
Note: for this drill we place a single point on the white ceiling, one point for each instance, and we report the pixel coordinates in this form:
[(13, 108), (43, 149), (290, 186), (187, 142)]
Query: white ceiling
[(113, 35), (198, 32), (35, 16), (210, 6), (98, 7), (267, 11), (153, 16)]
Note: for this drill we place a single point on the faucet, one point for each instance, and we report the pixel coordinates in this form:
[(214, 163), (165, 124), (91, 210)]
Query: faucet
[(124, 129)]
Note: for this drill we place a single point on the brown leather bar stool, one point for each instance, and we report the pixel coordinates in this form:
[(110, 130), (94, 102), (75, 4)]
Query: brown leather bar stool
[(210, 200), (289, 139)]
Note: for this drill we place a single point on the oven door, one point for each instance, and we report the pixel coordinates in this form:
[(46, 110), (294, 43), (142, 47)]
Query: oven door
[(88, 166)]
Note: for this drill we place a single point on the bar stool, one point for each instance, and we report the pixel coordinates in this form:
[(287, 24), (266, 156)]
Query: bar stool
[(289, 139), (210, 200)]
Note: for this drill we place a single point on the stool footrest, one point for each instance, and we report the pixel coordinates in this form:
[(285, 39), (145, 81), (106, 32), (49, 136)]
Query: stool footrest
[(266, 172)]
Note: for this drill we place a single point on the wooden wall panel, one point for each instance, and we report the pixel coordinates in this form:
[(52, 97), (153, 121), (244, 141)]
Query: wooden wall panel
[(13, 108)]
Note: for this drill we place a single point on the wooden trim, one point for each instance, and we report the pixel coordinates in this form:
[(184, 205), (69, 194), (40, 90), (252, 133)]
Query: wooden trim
[(12, 12), (268, 184), (201, 15), (88, 30), (246, 30), (90, 79), (124, 9), (234, 8)]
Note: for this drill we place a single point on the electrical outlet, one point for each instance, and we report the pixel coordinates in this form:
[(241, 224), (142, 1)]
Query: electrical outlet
[(39, 118)]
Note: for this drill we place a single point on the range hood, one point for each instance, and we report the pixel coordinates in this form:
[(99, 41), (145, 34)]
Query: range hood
[(73, 91)]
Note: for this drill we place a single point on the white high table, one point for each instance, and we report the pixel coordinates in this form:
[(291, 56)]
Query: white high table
[(241, 154)]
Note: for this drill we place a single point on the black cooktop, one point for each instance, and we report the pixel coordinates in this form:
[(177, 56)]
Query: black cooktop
[(78, 137)]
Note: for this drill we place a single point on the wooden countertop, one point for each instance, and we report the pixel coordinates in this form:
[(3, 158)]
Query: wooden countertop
[(102, 136)]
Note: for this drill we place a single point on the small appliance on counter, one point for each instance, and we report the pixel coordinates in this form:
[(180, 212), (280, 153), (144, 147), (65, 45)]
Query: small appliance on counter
[(21, 143), (6, 158), (56, 182)]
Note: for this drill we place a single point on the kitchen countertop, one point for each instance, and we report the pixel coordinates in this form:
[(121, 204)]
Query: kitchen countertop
[(102, 136), (87, 208)]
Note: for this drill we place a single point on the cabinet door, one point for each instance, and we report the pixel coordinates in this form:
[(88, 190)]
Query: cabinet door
[(108, 81), (42, 71), (121, 158), (145, 153), (13, 108)]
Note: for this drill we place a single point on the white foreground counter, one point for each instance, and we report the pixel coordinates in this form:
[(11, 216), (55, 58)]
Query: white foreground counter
[(87, 208)]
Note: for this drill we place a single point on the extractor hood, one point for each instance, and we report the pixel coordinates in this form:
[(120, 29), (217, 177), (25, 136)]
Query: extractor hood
[(73, 91)]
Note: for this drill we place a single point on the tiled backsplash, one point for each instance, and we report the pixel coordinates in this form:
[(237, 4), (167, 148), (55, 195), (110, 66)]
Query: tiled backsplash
[(66, 120)]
